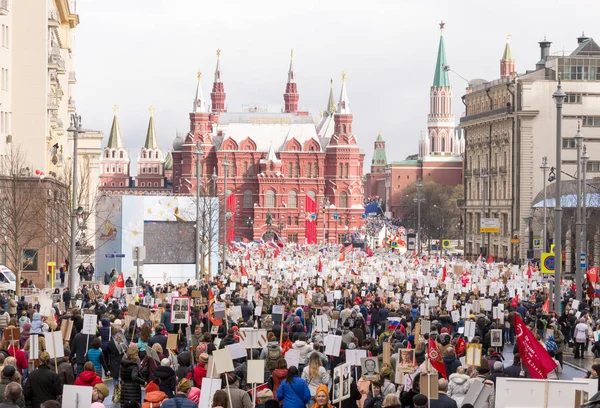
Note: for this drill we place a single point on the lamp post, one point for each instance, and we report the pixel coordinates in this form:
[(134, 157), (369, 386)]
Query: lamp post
[(249, 225), (584, 245), (281, 225), (198, 153), (544, 168), (325, 207), (225, 165), (484, 180), (418, 200), (269, 222), (578, 271), (214, 180), (559, 97), (75, 129)]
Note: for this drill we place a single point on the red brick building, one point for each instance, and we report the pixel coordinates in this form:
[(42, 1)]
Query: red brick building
[(289, 175), (440, 152)]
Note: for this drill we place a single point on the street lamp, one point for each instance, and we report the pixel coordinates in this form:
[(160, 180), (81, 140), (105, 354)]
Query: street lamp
[(484, 180), (544, 168), (249, 225), (225, 165), (281, 225), (584, 245), (198, 153), (419, 199), (559, 97), (578, 271), (325, 202), (74, 129), (214, 180)]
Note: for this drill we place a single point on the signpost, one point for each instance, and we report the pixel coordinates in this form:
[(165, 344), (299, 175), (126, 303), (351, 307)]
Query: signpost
[(411, 242), (538, 243), (115, 256), (583, 261), (490, 225)]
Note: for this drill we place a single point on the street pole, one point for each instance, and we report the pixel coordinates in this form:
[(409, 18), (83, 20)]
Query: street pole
[(137, 266), (75, 129), (198, 153), (559, 97), (225, 165), (419, 187), (584, 244), (578, 271), (544, 168), (484, 179)]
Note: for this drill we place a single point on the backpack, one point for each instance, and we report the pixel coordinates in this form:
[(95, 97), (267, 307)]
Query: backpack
[(273, 354), (551, 344)]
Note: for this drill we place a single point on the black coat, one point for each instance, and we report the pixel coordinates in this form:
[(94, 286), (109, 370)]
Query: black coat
[(160, 339), (42, 385), (131, 380), (167, 380), (114, 358), (81, 343)]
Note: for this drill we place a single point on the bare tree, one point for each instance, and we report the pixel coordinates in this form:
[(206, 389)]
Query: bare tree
[(24, 211)]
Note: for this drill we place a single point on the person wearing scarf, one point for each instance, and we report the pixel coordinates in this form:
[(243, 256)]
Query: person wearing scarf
[(322, 397)]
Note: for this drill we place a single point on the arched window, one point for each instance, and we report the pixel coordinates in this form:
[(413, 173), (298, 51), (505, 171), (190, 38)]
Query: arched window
[(443, 149), (309, 170), (144, 154), (248, 199), (346, 169), (293, 199), (341, 170), (121, 155), (296, 170), (270, 199), (157, 155), (113, 169), (107, 155), (119, 169), (343, 200), (290, 169), (315, 170), (113, 154), (312, 195)]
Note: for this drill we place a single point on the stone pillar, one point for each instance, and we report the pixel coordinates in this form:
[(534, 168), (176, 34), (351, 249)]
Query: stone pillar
[(568, 249)]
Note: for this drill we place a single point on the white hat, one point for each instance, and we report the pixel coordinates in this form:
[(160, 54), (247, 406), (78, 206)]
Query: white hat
[(118, 322)]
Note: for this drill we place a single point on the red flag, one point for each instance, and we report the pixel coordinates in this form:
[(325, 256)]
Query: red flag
[(119, 283), (490, 259), (276, 253), (211, 309), (479, 259), (592, 274), (461, 346), (369, 252), (529, 272), (436, 359), (546, 307), (243, 271), (342, 257), (247, 258), (533, 355), (320, 266), (515, 301), (444, 273), (310, 224)]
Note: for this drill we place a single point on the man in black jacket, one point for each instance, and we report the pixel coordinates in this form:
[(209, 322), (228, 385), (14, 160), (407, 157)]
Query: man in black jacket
[(47, 383), (66, 297), (81, 343), (159, 337)]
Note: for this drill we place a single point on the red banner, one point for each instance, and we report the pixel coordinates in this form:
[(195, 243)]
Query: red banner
[(119, 283), (592, 274), (533, 354), (436, 359), (310, 224), (230, 208)]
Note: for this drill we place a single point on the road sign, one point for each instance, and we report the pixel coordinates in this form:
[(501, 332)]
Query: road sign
[(114, 256), (119, 255), (445, 243), (411, 242), (335, 216), (514, 241), (139, 252), (582, 261), (547, 262), (490, 225), (537, 243)]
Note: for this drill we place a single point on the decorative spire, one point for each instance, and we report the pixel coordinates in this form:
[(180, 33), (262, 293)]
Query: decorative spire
[(218, 68), (199, 102), (441, 75), (507, 56), (114, 140), (151, 141), (291, 76), (331, 101), (343, 105)]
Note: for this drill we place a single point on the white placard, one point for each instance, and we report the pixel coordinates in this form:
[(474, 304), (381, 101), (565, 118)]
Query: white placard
[(301, 301), (575, 305), (46, 307), (34, 347), (337, 294), (353, 356), (455, 316), (76, 396), (330, 297), (255, 372), (487, 304), (223, 361), (237, 351), (322, 323), (209, 387), (470, 329), (333, 345), (54, 344), (90, 323)]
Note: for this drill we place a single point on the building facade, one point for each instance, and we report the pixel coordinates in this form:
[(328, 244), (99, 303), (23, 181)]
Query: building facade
[(510, 125), (439, 157), (289, 176)]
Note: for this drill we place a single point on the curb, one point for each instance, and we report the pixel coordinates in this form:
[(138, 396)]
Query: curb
[(575, 366)]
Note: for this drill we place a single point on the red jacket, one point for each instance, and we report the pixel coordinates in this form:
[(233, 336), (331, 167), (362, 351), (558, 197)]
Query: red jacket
[(199, 374), (19, 355), (88, 378)]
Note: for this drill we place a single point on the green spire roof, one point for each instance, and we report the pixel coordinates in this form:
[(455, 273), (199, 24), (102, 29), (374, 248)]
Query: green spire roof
[(331, 101), (151, 142), (441, 75), (169, 161), (379, 138), (379, 158), (114, 139), (507, 56)]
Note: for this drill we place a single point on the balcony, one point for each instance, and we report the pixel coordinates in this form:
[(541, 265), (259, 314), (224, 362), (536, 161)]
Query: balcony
[(476, 172), (487, 114), (53, 19), (55, 61), (493, 171), (468, 173), (3, 7), (72, 77)]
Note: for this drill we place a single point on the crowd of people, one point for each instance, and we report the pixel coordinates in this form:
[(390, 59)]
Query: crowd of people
[(381, 304)]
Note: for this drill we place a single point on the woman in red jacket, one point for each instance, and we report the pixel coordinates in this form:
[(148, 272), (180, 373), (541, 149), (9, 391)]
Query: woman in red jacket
[(88, 377), (200, 370)]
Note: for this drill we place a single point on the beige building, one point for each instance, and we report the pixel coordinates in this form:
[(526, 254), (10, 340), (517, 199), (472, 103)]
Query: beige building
[(510, 125)]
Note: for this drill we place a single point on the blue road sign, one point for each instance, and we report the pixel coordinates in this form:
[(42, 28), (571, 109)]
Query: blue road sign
[(582, 261), (120, 255)]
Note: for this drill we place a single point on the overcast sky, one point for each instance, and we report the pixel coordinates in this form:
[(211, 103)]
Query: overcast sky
[(142, 53)]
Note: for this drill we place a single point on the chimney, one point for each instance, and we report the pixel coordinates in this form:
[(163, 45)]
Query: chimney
[(582, 38), (544, 53)]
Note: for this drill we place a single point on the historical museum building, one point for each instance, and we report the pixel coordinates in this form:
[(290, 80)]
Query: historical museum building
[(284, 174)]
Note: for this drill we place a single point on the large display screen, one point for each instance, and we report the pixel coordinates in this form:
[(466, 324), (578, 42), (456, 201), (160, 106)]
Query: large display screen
[(169, 242)]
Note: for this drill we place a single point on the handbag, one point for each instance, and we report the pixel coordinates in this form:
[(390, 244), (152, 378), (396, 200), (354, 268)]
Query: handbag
[(117, 393)]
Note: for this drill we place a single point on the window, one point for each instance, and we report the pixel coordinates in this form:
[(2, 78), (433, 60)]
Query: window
[(121, 155), (155, 184), (341, 170), (289, 220), (346, 169), (290, 169), (343, 200), (293, 199), (292, 238), (270, 199), (315, 170), (296, 220), (309, 170), (144, 184), (248, 199), (245, 169), (591, 121), (107, 154), (593, 166), (156, 169), (573, 98), (296, 170), (569, 143), (113, 155), (120, 184), (312, 195)]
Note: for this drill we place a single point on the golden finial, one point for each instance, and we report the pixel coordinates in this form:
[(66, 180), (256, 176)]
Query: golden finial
[(343, 77), (292, 54), (199, 75), (115, 109), (218, 52), (508, 37), (151, 109)]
